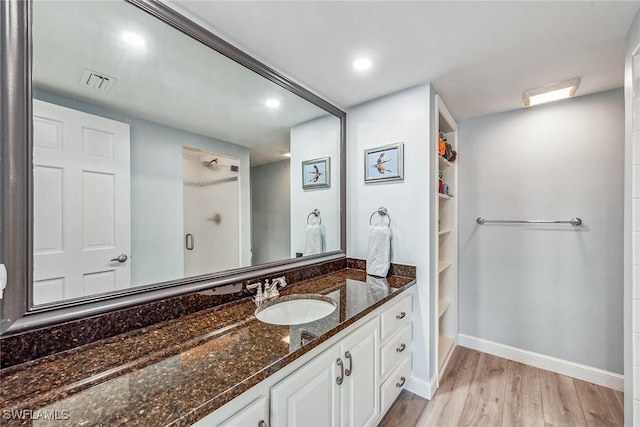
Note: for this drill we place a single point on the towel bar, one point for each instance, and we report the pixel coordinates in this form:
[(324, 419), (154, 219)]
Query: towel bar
[(316, 213), (382, 211), (573, 221)]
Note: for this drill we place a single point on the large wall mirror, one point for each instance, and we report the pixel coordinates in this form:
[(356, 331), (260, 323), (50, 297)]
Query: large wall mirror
[(157, 160)]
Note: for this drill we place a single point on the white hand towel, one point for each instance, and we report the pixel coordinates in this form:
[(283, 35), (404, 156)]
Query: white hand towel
[(377, 288), (379, 251), (314, 239)]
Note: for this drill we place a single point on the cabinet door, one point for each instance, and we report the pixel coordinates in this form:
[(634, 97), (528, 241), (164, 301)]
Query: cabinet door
[(256, 414), (359, 392), (309, 396)]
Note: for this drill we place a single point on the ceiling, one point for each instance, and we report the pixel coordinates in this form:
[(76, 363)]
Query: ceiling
[(480, 55), (172, 79)]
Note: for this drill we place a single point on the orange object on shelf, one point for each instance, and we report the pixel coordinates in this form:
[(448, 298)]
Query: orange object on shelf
[(442, 146)]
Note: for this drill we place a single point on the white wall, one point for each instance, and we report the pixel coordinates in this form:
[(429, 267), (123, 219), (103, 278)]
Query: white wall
[(156, 191), (555, 290), (400, 117), (271, 212), (311, 140), (632, 225)]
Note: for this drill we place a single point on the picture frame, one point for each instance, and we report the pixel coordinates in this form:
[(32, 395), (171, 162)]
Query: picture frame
[(316, 173), (385, 163)]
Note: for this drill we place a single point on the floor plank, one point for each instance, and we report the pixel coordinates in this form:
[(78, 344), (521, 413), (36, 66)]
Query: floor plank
[(523, 397), (485, 402), (405, 411), (560, 402), (446, 407), (620, 397), (599, 404)]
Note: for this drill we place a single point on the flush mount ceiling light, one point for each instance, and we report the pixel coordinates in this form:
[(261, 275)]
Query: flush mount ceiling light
[(134, 39), (362, 64), (552, 92), (272, 103)]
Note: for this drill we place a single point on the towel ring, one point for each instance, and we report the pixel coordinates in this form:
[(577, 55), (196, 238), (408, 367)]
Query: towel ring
[(382, 211), (315, 213)]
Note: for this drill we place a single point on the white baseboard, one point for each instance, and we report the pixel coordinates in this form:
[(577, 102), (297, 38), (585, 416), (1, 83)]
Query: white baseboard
[(421, 387), (549, 363)]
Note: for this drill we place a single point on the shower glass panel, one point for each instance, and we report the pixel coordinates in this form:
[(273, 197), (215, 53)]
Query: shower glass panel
[(211, 212)]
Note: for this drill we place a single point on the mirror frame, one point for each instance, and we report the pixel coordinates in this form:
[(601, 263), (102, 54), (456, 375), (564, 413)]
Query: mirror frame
[(16, 204)]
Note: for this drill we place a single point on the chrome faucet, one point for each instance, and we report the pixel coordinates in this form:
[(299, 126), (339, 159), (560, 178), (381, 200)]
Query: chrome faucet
[(271, 289), (260, 296)]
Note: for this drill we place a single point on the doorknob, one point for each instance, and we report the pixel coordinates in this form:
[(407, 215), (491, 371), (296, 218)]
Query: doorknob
[(120, 258)]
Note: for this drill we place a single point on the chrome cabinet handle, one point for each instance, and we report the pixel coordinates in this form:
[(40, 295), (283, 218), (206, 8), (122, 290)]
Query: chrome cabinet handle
[(262, 423), (348, 356), (401, 383), (188, 242), (401, 315), (401, 348), (120, 258), (341, 377)]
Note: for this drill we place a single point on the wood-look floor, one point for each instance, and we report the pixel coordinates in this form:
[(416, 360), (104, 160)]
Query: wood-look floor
[(478, 389)]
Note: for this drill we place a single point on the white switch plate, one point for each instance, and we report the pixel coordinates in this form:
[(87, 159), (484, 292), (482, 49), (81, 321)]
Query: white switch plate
[(3, 279)]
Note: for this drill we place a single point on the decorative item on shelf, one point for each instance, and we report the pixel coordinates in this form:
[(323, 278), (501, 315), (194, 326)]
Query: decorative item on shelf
[(384, 163), (442, 145), (445, 189), (440, 182)]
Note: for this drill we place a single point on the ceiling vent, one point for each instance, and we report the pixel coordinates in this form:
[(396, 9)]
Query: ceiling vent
[(97, 80)]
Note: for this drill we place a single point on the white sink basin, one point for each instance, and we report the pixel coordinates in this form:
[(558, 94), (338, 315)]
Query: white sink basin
[(295, 309)]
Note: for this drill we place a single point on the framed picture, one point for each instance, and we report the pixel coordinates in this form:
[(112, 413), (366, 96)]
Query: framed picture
[(316, 173), (384, 163)]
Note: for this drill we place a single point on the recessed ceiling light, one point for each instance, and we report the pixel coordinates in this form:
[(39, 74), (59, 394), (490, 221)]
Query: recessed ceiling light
[(552, 92), (362, 64), (272, 103), (134, 39)]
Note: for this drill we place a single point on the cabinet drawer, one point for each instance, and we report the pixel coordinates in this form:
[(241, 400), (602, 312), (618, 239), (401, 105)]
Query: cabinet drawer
[(394, 384), (392, 352), (395, 317)]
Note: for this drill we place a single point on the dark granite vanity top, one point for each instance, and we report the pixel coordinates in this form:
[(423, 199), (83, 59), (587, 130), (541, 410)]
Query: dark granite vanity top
[(178, 371)]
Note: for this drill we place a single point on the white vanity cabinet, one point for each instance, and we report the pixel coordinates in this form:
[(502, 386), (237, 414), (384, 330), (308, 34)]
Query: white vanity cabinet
[(349, 381), (395, 350), (337, 388), (256, 414)]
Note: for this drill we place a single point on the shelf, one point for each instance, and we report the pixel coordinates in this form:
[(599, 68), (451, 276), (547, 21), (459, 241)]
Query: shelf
[(443, 304), (442, 266), (444, 163), (444, 196), (443, 232), (445, 344)]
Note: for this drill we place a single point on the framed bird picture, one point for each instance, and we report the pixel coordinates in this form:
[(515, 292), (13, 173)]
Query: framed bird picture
[(316, 173), (384, 163)]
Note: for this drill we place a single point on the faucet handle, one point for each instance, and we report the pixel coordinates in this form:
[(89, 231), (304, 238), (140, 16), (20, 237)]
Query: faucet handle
[(254, 286), (281, 281)]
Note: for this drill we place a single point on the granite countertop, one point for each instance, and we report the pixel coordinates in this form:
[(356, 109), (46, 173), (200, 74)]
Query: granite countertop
[(178, 371)]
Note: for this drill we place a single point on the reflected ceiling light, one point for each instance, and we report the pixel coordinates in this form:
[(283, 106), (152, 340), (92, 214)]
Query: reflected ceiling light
[(552, 92), (134, 39), (272, 103), (362, 64), (285, 153)]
